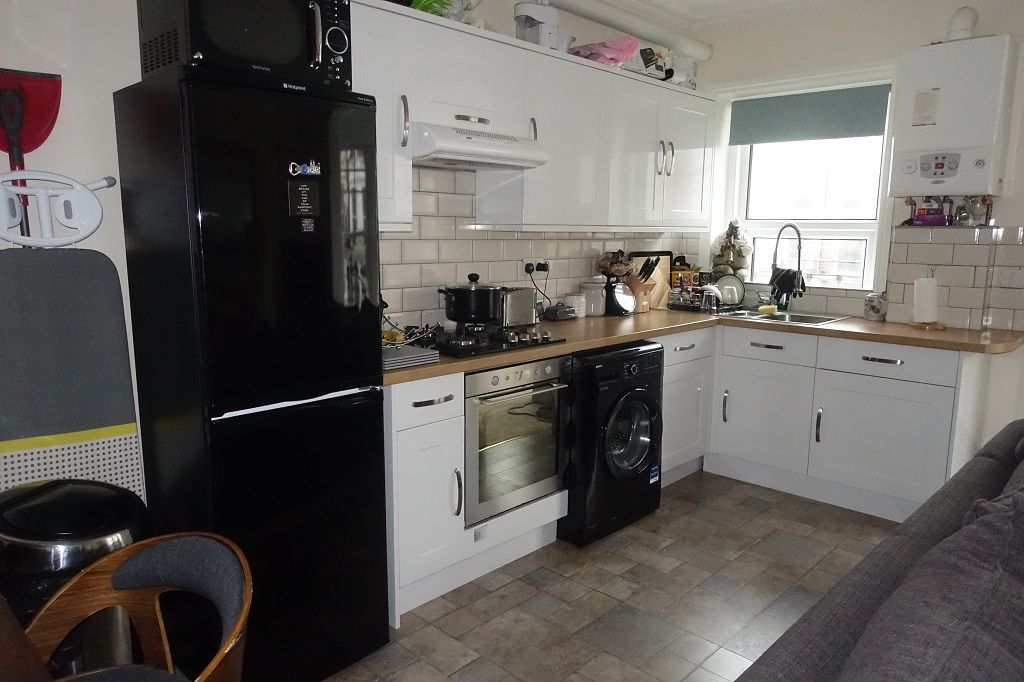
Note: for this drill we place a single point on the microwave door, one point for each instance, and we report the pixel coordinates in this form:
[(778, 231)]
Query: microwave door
[(286, 193)]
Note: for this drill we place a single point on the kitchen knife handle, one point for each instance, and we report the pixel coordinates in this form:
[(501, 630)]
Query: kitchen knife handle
[(434, 401), (661, 160), (458, 481), (817, 426), (672, 163), (405, 121), (725, 406), (318, 36)]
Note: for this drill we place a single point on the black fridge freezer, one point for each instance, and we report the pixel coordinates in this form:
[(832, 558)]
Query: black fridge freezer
[(251, 236)]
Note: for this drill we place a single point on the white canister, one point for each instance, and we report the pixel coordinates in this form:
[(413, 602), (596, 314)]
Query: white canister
[(579, 302), (595, 297)]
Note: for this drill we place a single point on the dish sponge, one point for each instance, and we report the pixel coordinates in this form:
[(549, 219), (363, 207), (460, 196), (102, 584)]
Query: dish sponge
[(768, 309)]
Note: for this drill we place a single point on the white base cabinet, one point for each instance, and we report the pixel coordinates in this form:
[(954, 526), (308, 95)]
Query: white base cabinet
[(760, 412), (685, 400), (427, 493), (884, 435)]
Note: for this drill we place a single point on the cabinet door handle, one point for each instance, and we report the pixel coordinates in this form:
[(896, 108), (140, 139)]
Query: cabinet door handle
[(672, 163), (405, 121), (318, 36), (434, 401), (769, 346), (661, 160), (473, 119), (458, 481), (725, 406), (884, 361), (682, 348), (533, 128), (817, 426)]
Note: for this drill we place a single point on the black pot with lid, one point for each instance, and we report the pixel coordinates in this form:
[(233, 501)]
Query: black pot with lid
[(473, 301)]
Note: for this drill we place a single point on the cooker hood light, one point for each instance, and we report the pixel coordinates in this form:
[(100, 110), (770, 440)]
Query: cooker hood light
[(462, 148)]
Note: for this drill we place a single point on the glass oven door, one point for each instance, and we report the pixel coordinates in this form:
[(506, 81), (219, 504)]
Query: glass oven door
[(511, 449)]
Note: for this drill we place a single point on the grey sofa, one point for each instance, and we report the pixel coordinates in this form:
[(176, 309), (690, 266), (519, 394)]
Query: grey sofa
[(942, 598)]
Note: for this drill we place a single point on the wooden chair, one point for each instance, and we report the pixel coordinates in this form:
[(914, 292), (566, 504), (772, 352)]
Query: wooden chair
[(133, 578)]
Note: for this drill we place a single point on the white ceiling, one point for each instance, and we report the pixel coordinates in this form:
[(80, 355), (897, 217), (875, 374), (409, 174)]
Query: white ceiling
[(687, 14)]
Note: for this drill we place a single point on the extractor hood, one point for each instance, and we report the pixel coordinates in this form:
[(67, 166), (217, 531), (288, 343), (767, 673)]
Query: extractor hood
[(466, 149)]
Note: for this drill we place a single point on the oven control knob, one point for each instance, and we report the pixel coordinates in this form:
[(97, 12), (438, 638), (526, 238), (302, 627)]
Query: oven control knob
[(524, 337), (548, 369), (634, 369), (535, 337), (495, 380), (336, 40), (546, 337)]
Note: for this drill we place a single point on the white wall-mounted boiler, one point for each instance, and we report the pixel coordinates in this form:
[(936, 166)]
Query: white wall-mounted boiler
[(950, 120)]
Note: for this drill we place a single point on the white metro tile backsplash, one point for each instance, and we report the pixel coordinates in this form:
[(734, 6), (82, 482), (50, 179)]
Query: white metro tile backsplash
[(444, 247)]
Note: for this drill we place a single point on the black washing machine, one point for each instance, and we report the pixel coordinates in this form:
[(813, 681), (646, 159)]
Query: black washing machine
[(612, 465)]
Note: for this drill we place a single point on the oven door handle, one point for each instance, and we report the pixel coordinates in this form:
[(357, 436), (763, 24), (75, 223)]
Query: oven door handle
[(520, 394)]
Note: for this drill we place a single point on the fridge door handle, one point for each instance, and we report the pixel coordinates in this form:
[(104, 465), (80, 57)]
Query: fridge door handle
[(318, 35), (293, 403)]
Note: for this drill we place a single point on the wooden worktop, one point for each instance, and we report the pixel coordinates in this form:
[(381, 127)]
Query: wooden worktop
[(595, 332)]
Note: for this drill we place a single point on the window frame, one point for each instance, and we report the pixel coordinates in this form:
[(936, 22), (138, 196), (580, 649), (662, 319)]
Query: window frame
[(736, 170)]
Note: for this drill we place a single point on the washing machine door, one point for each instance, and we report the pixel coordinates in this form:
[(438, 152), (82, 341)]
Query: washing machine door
[(629, 437)]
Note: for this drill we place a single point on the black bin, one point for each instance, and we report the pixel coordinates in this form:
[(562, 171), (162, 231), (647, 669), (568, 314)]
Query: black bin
[(51, 530)]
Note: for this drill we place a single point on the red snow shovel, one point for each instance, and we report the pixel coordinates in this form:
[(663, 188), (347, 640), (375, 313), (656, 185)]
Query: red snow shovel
[(29, 103)]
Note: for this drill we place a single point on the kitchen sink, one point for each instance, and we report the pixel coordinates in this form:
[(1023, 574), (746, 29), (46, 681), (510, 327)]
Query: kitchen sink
[(740, 313), (800, 318)]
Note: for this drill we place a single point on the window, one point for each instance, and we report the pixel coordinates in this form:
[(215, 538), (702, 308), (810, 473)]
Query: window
[(814, 159)]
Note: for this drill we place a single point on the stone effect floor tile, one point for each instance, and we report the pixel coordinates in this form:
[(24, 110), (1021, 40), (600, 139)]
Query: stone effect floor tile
[(693, 592)]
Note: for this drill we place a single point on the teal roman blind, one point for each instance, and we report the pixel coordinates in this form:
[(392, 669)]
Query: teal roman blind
[(850, 112)]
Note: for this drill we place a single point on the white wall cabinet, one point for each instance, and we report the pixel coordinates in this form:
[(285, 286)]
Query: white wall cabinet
[(429, 513), (568, 101), (760, 412), (686, 409), (377, 43), (661, 157)]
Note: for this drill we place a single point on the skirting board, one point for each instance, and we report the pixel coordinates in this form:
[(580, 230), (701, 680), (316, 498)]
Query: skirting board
[(864, 501), (680, 472), (422, 591)]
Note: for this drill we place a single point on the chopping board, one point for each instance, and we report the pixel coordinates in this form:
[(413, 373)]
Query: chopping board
[(660, 278)]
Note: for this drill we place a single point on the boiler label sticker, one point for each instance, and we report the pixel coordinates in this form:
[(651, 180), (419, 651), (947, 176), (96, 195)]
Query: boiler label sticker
[(926, 107), (655, 474), (303, 198)]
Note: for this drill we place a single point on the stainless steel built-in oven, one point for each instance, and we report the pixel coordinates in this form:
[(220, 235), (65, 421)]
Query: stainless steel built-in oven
[(512, 436)]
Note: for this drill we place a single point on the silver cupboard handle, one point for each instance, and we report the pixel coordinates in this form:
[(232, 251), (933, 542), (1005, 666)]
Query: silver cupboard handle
[(661, 161), (682, 348), (533, 128), (521, 394), (725, 406), (405, 121), (473, 119), (817, 426), (884, 361), (672, 163), (318, 36), (458, 480), (769, 346), (435, 401)]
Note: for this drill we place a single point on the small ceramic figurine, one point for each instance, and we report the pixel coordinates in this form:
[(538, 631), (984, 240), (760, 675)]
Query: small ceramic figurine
[(731, 251)]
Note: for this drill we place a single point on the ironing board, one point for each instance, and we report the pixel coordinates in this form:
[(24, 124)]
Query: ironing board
[(66, 403)]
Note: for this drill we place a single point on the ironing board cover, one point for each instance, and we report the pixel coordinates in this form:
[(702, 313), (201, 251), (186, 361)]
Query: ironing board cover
[(66, 404)]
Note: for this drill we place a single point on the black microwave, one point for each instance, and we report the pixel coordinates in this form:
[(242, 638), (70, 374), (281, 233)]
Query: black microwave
[(295, 41)]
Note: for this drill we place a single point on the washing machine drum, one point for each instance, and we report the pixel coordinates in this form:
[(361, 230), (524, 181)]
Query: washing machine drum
[(629, 434)]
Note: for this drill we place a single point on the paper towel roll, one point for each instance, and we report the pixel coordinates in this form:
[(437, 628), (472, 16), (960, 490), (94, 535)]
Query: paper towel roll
[(926, 299)]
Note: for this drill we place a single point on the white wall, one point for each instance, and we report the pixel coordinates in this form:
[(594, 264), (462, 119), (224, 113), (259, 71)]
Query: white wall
[(94, 46)]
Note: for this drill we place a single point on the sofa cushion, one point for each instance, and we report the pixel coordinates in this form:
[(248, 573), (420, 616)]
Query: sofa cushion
[(1016, 481), (960, 612)]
